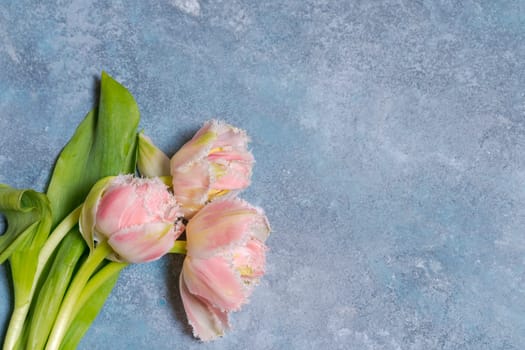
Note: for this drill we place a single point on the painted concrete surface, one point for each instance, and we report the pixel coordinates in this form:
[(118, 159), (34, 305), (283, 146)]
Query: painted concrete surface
[(390, 146)]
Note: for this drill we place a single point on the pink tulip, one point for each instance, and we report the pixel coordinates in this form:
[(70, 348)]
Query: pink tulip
[(215, 162), (225, 259), (138, 217)]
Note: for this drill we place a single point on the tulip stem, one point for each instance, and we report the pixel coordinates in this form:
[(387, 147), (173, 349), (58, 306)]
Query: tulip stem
[(75, 290), (56, 237), (95, 283), (20, 312), (179, 248)]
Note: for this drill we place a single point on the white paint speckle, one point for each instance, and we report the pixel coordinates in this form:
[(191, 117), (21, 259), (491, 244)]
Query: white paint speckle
[(6, 44), (11, 51), (191, 7), (344, 332)]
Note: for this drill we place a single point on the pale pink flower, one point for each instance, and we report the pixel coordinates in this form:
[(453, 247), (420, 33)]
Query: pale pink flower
[(214, 163), (225, 259), (137, 217)]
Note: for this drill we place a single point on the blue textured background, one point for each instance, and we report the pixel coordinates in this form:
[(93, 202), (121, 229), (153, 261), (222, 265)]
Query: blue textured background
[(390, 147)]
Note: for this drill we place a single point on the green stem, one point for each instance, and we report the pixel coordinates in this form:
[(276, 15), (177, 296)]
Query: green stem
[(16, 323), (56, 237), (75, 289), (46, 302), (95, 282), (179, 248)]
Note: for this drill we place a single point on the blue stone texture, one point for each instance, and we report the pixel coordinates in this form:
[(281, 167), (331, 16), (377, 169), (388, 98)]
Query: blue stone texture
[(390, 146)]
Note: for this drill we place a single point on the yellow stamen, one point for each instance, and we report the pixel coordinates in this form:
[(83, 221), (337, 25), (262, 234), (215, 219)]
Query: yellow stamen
[(218, 170), (245, 270), (216, 193), (216, 149)]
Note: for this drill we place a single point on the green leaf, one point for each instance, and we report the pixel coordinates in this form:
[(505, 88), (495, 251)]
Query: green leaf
[(104, 144), (25, 211), (28, 218)]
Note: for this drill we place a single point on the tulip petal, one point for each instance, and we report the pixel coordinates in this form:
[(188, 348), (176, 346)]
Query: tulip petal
[(240, 155), (234, 176), (117, 209), (89, 209), (151, 161), (228, 135), (213, 163), (190, 187), (129, 201), (143, 243), (215, 280), (208, 322), (250, 260), (222, 224), (260, 228), (158, 203), (219, 224), (197, 148)]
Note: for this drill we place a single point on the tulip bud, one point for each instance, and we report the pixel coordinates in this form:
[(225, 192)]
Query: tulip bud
[(225, 259), (137, 217), (214, 163), (151, 161)]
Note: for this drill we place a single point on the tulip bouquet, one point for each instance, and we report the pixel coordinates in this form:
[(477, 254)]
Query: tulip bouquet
[(116, 199)]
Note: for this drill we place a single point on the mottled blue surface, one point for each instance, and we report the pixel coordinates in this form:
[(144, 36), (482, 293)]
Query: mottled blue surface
[(390, 147)]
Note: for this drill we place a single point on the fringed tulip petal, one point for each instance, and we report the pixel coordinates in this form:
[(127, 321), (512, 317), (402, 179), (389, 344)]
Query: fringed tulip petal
[(233, 176), (228, 135), (117, 208), (226, 256), (143, 243), (208, 322), (219, 224), (260, 228), (197, 148), (137, 216), (212, 164), (191, 187), (250, 260), (216, 281)]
